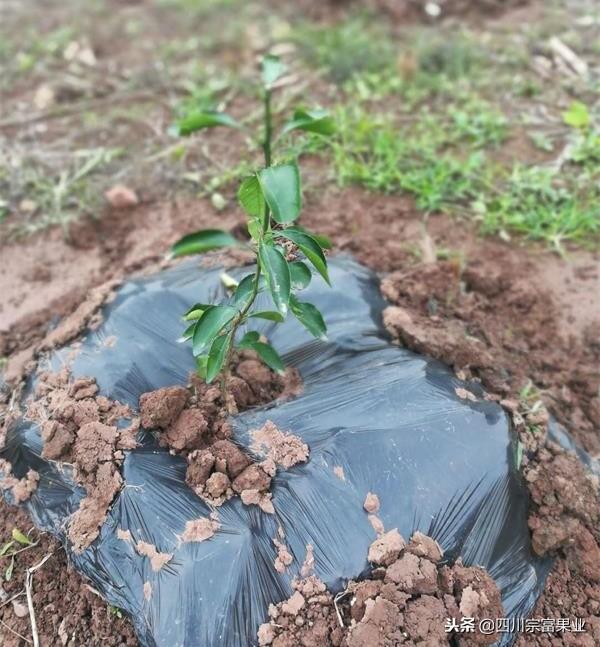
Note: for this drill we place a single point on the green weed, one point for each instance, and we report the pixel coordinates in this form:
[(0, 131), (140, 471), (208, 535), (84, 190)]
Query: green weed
[(352, 47), (375, 152), (440, 160), (536, 203), (114, 611), (477, 123), (18, 543)]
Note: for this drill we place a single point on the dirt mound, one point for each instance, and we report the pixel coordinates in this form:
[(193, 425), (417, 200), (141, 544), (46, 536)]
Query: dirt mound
[(78, 426), (566, 513), (567, 595), (498, 327), (412, 599), (194, 423), (486, 323), (528, 338)]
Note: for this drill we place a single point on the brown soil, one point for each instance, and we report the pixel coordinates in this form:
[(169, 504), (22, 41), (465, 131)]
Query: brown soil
[(194, 423), (565, 521), (403, 11), (78, 426), (408, 601), (277, 446), (97, 251), (69, 613)]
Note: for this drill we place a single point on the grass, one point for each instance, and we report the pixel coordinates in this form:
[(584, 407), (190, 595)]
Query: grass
[(417, 156), (446, 161), (537, 203), (431, 111), (21, 57), (430, 115), (44, 196), (346, 49)]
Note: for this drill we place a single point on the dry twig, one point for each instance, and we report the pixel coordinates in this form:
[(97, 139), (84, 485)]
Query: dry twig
[(29, 591)]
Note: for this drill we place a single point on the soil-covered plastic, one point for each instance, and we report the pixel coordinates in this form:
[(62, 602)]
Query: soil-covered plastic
[(376, 418)]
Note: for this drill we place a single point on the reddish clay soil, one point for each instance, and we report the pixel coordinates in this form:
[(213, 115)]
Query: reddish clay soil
[(193, 422), (407, 601), (69, 613), (78, 426)]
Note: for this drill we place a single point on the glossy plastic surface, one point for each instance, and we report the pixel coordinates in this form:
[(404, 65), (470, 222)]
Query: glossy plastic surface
[(389, 418)]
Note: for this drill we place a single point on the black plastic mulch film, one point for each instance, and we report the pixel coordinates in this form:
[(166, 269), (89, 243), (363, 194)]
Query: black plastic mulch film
[(389, 418)]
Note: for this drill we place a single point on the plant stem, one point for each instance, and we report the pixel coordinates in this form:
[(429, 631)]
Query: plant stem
[(268, 128), (239, 318)]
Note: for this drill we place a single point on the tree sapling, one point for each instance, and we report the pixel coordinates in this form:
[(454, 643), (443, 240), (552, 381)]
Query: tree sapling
[(271, 199)]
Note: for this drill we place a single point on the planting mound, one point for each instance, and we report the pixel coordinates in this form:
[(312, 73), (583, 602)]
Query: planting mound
[(438, 457)]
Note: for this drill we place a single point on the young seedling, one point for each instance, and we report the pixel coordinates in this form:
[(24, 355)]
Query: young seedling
[(271, 199)]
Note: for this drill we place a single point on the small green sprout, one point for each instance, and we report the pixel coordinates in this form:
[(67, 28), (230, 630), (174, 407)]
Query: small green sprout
[(577, 116), (18, 543), (272, 199)]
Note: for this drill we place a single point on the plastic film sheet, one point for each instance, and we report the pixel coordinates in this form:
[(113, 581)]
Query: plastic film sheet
[(390, 419)]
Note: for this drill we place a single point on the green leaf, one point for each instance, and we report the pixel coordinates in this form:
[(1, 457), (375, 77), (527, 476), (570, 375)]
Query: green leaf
[(277, 274), (196, 311), (309, 247), (201, 365), (577, 116), (281, 189), (255, 228), (271, 315), (300, 275), (210, 325), (251, 197), (269, 356), (272, 69), (312, 121), (7, 546), (17, 535), (188, 333), (310, 317), (324, 242), (217, 356), (251, 337), (203, 241), (244, 290), (200, 119), (265, 351)]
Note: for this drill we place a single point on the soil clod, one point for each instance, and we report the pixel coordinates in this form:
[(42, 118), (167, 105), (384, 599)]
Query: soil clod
[(408, 603)]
